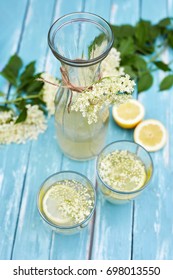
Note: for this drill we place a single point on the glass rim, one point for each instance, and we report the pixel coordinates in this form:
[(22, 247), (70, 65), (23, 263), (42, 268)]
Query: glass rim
[(124, 192), (83, 63), (75, 225)]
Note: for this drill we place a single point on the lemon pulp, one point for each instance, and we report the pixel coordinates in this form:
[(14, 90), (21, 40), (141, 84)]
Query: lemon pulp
[(128, 111), (129, 114), (151, 134), (67, 203), (122, 171)]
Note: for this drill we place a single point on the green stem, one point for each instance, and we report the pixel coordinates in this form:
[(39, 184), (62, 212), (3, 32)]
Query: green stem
[(13, 101)]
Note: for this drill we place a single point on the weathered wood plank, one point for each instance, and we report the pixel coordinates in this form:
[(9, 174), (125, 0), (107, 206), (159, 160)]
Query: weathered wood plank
[(44, 152), (123, 12), (76, 246), (24, 167), (35, 237), (17, 155), (153, 236), (10, 185), (10, 30), (62, 8), (112, 229)]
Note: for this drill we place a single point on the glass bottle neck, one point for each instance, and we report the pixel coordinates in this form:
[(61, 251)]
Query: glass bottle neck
[(82, 76)]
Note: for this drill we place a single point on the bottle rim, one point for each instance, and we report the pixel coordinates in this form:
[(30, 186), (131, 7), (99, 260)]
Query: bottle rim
[(85, 16)]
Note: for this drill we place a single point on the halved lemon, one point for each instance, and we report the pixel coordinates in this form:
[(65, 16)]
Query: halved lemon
[(151, 134), (129, 114), (52, 206)]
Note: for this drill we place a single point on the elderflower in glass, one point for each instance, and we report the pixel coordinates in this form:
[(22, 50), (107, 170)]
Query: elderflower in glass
[(66, 202), (124, 171)]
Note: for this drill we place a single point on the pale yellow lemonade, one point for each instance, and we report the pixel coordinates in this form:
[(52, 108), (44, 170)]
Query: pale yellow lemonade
[(67, 203), (77, 138), (124, 172)]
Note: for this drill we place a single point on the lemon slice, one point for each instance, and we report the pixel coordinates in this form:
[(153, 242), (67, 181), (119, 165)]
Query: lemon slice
[(129, 114), (123, 171), (151, 134), (52, 206)]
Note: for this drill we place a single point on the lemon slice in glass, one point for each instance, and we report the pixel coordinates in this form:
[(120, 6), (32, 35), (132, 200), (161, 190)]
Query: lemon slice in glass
[(51, 204), (151, 134), (129, 114), (123, 171)]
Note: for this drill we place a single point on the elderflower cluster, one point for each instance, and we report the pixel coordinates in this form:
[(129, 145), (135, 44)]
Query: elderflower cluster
[(115, 87), (75, 201), (103, 93), (49, 91), (122, 170), (11, 132), (5, 117), (110, 66)]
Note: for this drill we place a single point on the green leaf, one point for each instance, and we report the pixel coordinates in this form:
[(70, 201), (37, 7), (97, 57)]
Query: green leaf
[(127, 30), (128, 70), (164, 22), (22, 116), (161, 65), (126, 46), (142, 31), (166, 83), (11, 70), (170, 38), (139, 63), (28, 71), (30, 86), (154, 33), (38, 101), (4, 108), (116, 31), (122, 31), (136, 62), (2, 94), (34, 87), (144, 82), (26, 77)]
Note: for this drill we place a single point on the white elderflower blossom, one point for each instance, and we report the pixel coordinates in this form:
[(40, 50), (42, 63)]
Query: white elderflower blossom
[(49, 92), (110, 90), (110, 66), (5, 116), (11, 132), (115, 87)]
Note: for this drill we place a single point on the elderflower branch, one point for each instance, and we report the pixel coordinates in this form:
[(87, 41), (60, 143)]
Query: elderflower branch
[(110, 90), (115, 87), (31, 121), (12, 132), (16, 100)]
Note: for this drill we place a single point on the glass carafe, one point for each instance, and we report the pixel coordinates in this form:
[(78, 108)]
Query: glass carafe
[(80, 41)]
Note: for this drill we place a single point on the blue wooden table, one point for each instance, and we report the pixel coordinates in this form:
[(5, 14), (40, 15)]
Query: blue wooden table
[(142, 229)]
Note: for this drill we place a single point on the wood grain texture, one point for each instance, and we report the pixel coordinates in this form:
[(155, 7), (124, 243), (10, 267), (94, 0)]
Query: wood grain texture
[(140, 230), (17, 155), (113, 224), (11, 31), (77, 246), (153, 229), (12, 171), (61, 8)]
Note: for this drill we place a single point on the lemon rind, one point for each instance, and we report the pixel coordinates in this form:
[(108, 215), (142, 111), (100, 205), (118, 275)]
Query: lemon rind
[(150, 148)]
